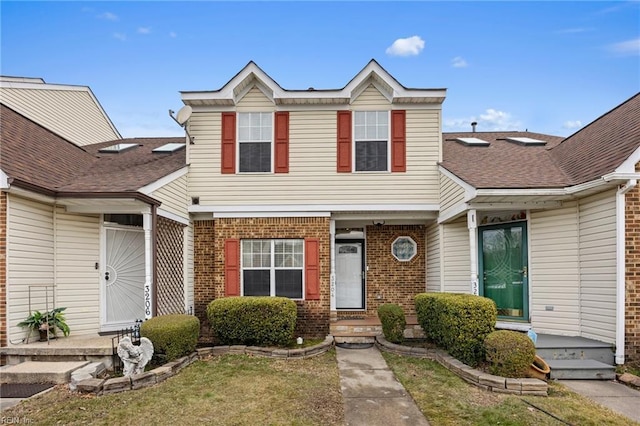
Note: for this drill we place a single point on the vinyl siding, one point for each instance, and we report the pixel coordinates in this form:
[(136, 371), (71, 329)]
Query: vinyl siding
[(78, 281), (174, 197), (451, 194), (456, 263), (598, 267), (371, 99), (255, 101), (554, 270), (312, 177), (72, 114), (29, 260), (433, 257)]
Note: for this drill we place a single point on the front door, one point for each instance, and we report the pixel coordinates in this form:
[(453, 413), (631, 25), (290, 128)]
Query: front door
[(123, 278), (503, 268), (349, 275)]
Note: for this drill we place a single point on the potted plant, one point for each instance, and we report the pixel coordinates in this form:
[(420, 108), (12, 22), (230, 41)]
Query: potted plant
[(47, 323)]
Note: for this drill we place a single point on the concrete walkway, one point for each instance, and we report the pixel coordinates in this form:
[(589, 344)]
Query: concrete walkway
[(371, 393), (616, 396)]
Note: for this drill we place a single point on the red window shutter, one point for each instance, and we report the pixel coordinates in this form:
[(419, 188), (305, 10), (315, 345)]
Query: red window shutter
[(398, 141), (344, 141), (228, 150), (312, 268), (281, 142), (232, 267)]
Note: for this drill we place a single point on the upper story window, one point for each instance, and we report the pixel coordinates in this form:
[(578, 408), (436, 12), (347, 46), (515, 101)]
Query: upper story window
[(371, 138), (255, 136), (272, 268)]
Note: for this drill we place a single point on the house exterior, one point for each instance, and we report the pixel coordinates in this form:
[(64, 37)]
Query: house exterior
[(348, 198), (99, 227)]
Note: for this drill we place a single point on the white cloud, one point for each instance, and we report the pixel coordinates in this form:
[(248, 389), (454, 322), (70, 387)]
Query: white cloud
[(409, 46), (459, 62), (490, 120), (144, 30), (173, 35), (120, 36), (626, 48), (109, 16), (572, 124)]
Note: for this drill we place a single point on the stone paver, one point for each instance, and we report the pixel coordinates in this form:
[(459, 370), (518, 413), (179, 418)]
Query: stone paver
[(615, 396), (371, 393)]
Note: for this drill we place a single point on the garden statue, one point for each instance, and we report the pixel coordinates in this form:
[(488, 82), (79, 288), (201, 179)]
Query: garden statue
[(134, 358)]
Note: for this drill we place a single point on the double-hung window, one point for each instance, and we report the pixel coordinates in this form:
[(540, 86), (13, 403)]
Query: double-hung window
[(371, 136), (255, 137), (272, 268)]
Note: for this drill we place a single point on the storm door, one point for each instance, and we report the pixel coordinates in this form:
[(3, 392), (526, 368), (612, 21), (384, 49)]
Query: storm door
[(349, 275), (123, 277), (503, 268)]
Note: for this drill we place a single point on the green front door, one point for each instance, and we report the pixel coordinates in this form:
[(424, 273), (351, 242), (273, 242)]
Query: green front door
[(503, 268)]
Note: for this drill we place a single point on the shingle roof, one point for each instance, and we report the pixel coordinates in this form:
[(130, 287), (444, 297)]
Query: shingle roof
[(597, 149), (600, 147), (502, 164), (35, 156)]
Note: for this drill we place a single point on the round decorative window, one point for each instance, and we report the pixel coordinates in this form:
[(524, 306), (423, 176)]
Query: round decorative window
[(404, 249)]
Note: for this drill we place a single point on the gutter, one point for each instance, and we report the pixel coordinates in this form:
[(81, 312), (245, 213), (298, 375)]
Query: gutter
[(621, 268)]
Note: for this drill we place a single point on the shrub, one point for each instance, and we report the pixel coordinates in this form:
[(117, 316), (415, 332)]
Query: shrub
[(457, 322), (253, 320), (173, 335), (393, 322), (509, 352)]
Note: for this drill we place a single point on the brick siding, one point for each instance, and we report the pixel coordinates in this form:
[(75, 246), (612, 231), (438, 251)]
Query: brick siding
[(388, 279), (632, 281), (209, 238)]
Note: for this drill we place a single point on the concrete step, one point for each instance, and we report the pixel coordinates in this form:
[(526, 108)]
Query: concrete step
[(40, 371), (552, 347), (581, 369), (350, 338)]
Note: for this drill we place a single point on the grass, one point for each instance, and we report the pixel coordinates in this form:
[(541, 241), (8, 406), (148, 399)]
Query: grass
[(445, 399), (225, 390)]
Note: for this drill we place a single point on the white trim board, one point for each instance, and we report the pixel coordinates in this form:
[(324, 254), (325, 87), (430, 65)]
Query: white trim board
[(201, 208)]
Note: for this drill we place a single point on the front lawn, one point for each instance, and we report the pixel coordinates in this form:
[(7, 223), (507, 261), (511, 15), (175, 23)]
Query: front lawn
[(225, 390), (445, 399)]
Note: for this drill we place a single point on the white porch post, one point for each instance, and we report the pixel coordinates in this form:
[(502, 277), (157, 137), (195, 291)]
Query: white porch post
[(332, 284), (473, 249), (621, 268), (148, 265)]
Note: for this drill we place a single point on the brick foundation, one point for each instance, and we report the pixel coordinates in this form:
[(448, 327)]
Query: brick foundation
[(632, 253), (209, 238)]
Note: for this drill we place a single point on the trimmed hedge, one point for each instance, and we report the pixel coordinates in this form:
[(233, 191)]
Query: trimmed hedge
[(259, 321), (510, 353), (174, 335), (393, 322), (457, 322)]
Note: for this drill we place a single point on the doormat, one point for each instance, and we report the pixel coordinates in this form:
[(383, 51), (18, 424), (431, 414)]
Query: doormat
[(22, 390)]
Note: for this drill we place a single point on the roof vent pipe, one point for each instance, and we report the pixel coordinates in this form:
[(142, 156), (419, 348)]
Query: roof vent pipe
[(473, 126)]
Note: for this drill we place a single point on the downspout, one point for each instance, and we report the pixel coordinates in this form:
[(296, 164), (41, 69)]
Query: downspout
[(472, 224), (332, 276), (621, 268)]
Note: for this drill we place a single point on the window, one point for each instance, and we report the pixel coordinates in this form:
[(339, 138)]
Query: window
[(371, 131), (404, 249), (255, 133), (272, 268)]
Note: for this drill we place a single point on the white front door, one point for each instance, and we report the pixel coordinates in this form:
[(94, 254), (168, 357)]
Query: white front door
[(349, 276), (123, 278)]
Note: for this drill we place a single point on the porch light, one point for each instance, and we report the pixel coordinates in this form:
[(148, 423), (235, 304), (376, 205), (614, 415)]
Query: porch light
[(378, 222)]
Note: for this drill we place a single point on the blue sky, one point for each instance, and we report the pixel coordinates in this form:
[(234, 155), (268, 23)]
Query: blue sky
[(549, 67)]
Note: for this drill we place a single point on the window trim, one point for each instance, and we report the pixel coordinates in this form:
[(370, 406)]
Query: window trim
[(271, 142), (272, 268), (354, 140)]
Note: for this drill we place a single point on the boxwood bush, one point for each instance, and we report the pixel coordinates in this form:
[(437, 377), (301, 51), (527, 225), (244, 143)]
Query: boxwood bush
[(510, 353), (174, 335), (457, 322), (393, 322), (261, 321)]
